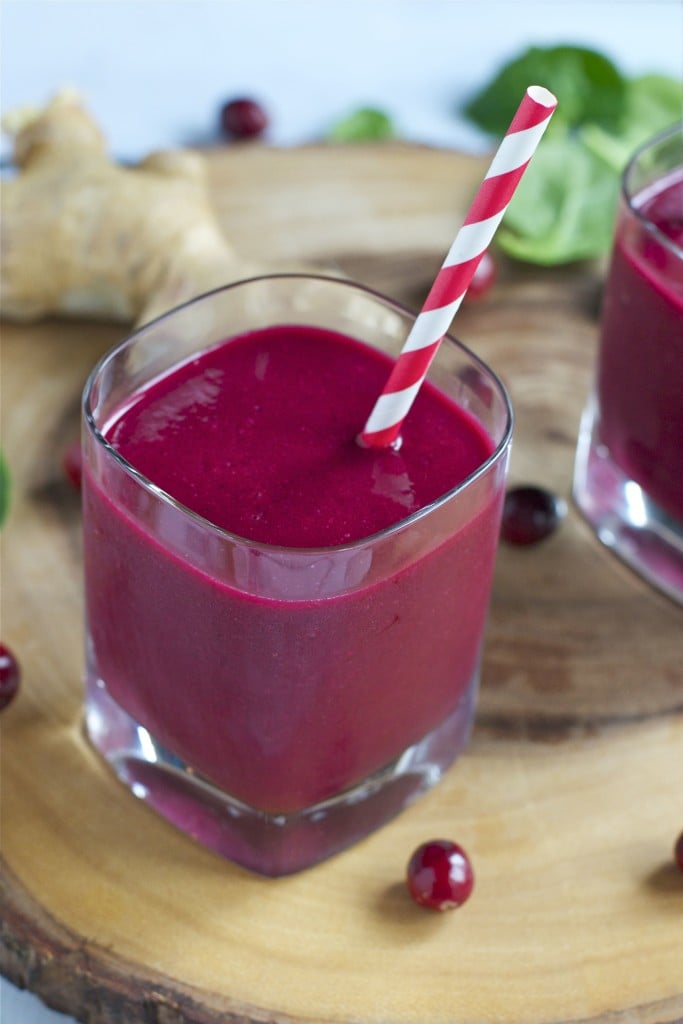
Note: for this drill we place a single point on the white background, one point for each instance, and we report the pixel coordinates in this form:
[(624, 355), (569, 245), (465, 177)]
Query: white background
[(155, 73)]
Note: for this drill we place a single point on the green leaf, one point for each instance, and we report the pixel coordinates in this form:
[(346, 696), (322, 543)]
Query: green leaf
[(364, 125), (653, 103), (4, 488), (564, 207), (588, 86)]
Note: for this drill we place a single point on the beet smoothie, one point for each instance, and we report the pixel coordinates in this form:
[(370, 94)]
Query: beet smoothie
[(287, 666), (640, 374)]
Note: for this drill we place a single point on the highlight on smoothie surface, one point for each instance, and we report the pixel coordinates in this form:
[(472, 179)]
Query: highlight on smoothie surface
[(448, 290)]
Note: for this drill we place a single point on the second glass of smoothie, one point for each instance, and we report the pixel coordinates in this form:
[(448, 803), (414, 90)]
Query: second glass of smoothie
[(284, 630), (628, 478)]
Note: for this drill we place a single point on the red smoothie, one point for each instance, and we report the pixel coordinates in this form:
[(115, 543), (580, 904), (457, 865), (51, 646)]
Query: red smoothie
[(280, 677), (640, 373)]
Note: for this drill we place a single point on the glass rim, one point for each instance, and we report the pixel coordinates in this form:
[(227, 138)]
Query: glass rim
[(629, 196), (236, 538)]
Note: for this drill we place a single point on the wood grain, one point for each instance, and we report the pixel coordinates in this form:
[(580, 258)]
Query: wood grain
[(569, 798)]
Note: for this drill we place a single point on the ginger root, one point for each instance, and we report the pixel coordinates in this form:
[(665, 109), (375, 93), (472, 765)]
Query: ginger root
[(85, 236)]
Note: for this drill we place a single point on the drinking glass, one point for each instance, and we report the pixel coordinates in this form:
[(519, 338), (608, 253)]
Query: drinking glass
[(628, 478), (278, 703)]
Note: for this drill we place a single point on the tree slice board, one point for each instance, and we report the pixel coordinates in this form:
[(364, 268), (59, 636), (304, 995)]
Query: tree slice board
[(568, 799)]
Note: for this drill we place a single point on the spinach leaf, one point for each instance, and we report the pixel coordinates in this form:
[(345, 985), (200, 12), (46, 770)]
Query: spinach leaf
[(564, 207), (588, 86), (364, 125), (653, 103)]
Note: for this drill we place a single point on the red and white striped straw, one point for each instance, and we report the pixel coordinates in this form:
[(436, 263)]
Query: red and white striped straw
[(490, 203)]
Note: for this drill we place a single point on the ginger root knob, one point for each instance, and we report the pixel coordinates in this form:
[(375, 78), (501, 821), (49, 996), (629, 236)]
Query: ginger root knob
[(85, 236)]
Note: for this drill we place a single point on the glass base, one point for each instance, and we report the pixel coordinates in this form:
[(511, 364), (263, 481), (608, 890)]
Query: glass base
[(624, 518), (270, 844)]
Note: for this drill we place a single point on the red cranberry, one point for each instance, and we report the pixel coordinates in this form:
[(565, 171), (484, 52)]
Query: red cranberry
[(72, 464), (484, 277), (9, 676), (678, 851), (529, 515), (243, 119), (439, 875)]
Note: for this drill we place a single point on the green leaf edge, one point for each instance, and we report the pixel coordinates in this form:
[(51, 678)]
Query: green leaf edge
[(5, 488)]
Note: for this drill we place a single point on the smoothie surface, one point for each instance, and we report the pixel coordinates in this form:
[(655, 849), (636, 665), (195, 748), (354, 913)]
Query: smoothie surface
[(258, 436)]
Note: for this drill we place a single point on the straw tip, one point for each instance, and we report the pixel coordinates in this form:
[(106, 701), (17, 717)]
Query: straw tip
[(541, 95), (388, 438)]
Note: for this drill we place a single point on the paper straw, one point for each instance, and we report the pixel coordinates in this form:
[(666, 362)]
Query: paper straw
[(487, 210)]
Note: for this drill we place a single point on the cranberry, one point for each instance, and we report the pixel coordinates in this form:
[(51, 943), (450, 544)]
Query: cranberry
[(678, 851), (72, 464), (484, 277), (439, 875), (9, 676), (530, 514), (243, 118)]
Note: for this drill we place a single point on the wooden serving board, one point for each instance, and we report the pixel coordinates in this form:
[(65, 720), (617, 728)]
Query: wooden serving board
[(569, 798)]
